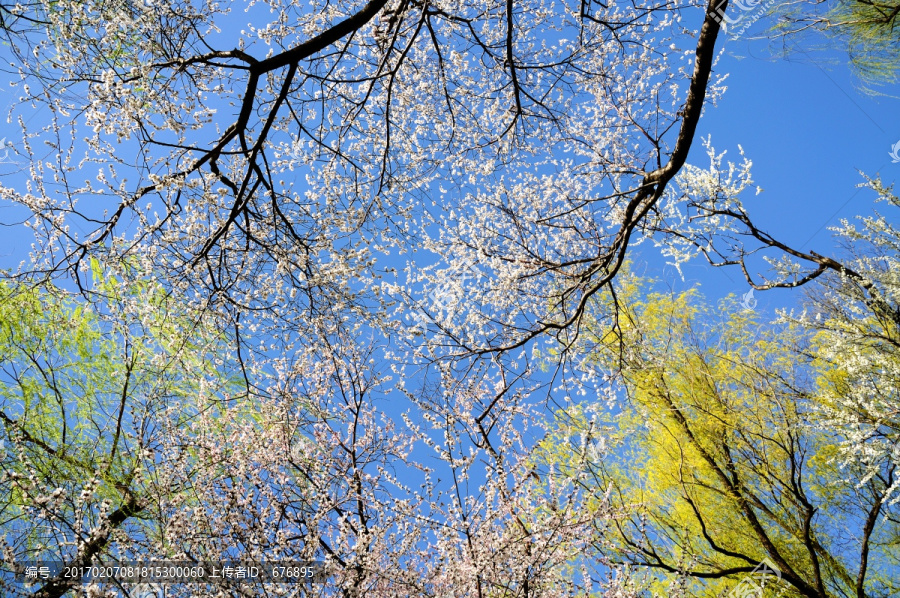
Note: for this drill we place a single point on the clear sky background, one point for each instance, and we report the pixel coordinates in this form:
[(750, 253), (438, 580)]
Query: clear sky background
[(803, 121), (809, 130)]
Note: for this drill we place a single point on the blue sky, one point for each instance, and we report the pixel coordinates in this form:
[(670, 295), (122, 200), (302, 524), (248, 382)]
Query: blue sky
[(804, 124), (809, 130)]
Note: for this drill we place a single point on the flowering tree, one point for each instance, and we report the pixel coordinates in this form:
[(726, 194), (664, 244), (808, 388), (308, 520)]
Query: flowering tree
[(854, 303), (568, 121), (274, 176), (856, 315), (123, 440)]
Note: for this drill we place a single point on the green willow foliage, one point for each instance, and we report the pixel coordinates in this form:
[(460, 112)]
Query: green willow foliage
[(872, 34), (866, 29), (86, 394), (723, 454)]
